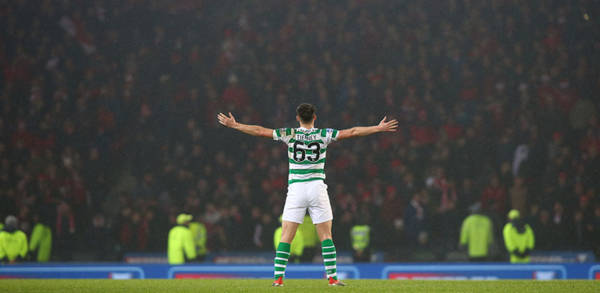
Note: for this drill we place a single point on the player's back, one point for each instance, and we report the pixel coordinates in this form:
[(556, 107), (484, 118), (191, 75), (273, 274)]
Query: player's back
[(307, 151)]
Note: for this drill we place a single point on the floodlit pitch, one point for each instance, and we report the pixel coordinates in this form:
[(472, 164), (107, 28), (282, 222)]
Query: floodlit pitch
[(291, 285)]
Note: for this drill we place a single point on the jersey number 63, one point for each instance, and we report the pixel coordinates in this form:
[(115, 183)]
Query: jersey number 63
[(300, 153)]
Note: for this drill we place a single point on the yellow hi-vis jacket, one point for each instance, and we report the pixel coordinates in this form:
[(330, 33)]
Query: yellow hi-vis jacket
[(309, 232), (13, 245), (297, 245), (181, 245), (199, 233), (476, 233), (360, 237), (518, 241), (41, 240)]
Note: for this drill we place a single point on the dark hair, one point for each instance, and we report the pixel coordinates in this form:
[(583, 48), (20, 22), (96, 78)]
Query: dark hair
[(306, 112)]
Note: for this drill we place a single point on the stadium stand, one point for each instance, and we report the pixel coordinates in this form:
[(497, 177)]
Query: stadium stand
[(108, 129)]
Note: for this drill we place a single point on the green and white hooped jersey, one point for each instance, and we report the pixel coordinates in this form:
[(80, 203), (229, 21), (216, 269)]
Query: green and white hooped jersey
[(307, 150)]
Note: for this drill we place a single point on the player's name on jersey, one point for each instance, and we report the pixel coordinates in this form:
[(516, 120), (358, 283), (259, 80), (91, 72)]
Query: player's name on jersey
[(307, 137)]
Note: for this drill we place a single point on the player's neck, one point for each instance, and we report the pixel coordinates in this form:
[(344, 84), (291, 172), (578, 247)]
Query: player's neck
[(307, 126)]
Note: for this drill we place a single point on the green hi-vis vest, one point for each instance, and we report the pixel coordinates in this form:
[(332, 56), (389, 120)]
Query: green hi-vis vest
[(360, 237), (519, 241), (309, 232), (181, 245), (13, 245), (199, 233), (297, 245), (41, 240), (477, 233)]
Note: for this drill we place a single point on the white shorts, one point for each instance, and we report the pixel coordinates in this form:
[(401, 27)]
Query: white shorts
[(311, 195)]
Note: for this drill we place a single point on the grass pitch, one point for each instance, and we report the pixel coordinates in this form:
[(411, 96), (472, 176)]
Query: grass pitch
[(293, 285)]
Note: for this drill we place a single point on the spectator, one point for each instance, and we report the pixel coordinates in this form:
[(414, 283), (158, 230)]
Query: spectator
[(518, 238), (199, 233), (518, 196), (181, 248), (13, 242), (467, 195), (494, 197), (477, 235), (593, 227), (65, 231), (544, 231), (560, 227), (360, 235), (415, 220), (40, 245), (100, 238)]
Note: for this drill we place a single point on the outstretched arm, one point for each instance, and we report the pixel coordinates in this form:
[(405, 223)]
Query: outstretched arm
[(255, 130), (384, 125)]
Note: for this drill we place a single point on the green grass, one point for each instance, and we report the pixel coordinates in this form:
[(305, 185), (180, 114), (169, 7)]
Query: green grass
[(313, 286)]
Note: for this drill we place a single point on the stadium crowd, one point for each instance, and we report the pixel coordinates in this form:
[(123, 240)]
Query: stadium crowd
[(108, 126)]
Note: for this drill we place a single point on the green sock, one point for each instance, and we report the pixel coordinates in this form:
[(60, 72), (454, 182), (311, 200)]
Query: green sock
[(281, 259), (329, 258)]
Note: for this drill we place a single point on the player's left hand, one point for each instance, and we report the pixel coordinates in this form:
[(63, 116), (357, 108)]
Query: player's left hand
[(389, 125), (228, 121)]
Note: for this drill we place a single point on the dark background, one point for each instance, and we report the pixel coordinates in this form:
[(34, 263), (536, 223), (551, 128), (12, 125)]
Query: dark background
[(108, 118)]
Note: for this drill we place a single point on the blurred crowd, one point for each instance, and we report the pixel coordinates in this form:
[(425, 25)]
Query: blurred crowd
[(108, 128)]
